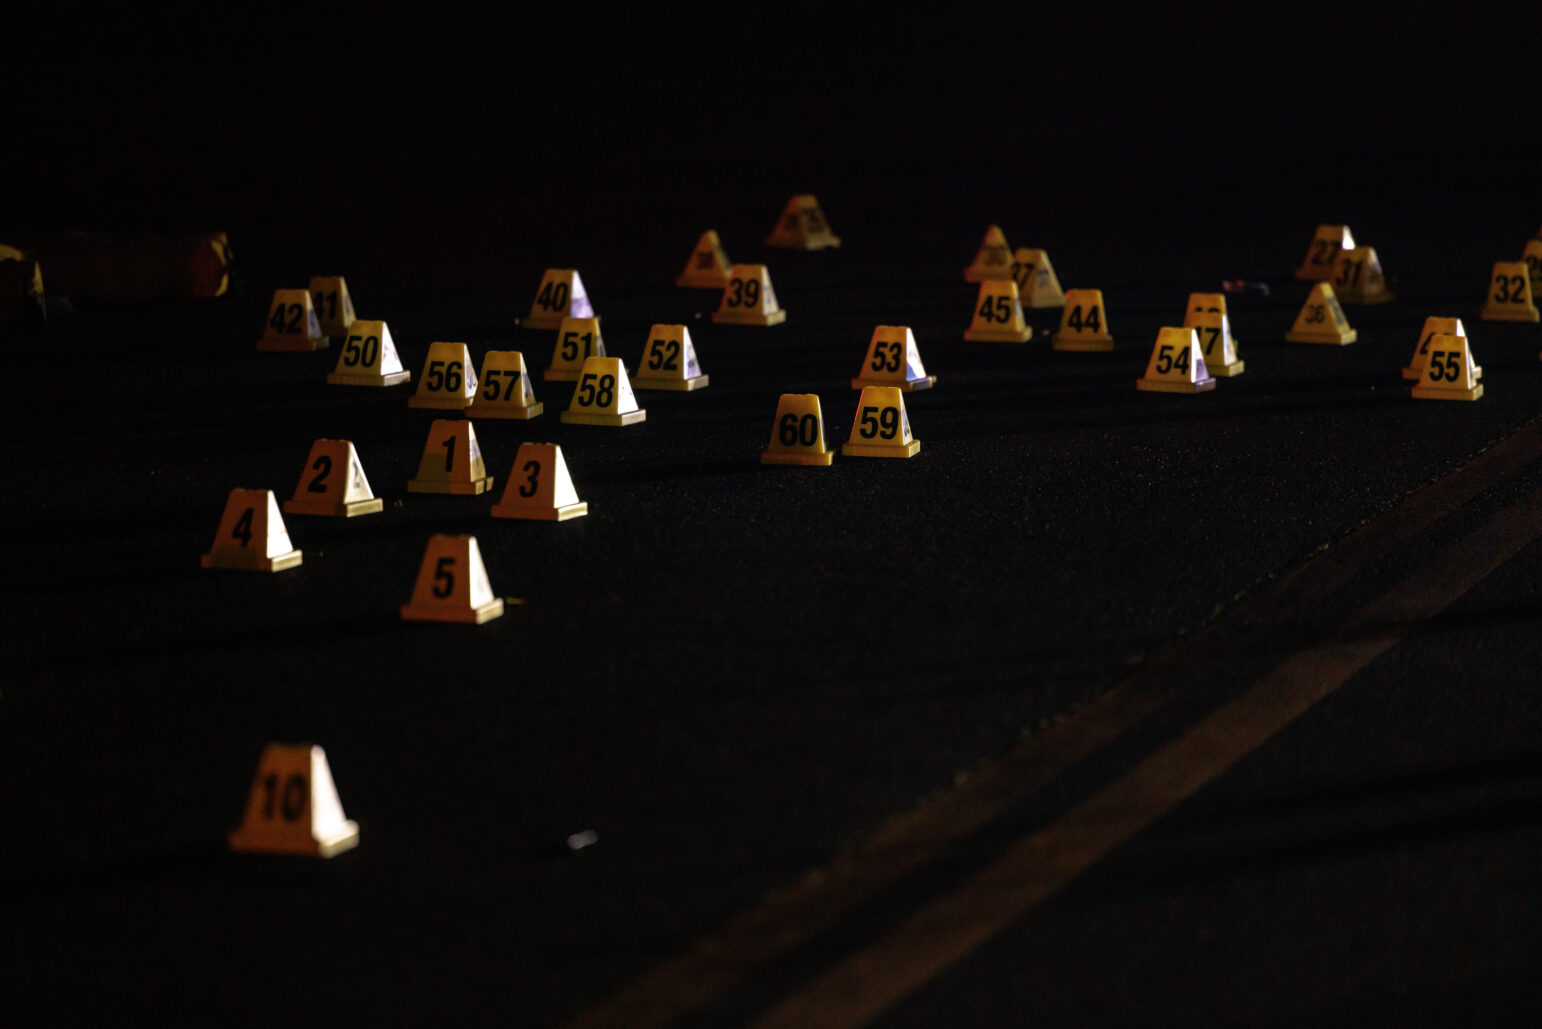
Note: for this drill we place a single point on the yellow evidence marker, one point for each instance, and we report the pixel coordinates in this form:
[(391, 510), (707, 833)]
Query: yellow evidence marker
[(604, 396), (292, 323), (1083, 323), (881, 427), (452, 584), (1037, 285), (539, 487), (748, 299), (1206, 314), (251, 536), (1509, 294), (451, 461), (1358, 279), (1177, 364), (448, 382), (561, 296), (798, 436), (333, 483), (1321, 320), (803, 226), (334, 307), (368, 358), (707, 267), (578, 339), (893, 359), (1323, 253), (669, 361), (993, 260), (293, 806), (1433, 327), (998, 314), (1451, 373), (505, 390), (1532, 256)]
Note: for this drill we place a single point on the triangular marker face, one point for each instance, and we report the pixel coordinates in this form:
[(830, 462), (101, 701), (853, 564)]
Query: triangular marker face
[(333, 483), (1323, 252), (1037, 284), (1177, 364), (451, 462), (993, 260), (1509, 294), (748, 299), (291, 323), (893, 359), (539, 487), (251, 536), (578, 339), (707, 267), (604, 396), (1358, 279), (881, 427), (803, 226), (1083, 323), (1215, 340), (334, 307), (452, 584), (560, 295), (1433, 326), (998, 314), (1451, 373), (368, 357), (1321, 320), (293, 807), (669, 361), (448, 382), (503, 388), (798, 433)]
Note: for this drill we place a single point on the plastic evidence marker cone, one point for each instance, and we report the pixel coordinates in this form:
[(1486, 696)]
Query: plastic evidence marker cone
[(452, 584), (993, 260), (1509, 294), (798, 434), (1433, 326), (1358, 279), (707, 267), (448, 382), (539, 487), (451, 461), (293, 806), (1083, 323), (1177, 364), (292, 323), (368, 357), (1321, 320), (893, 359), (748, 299), (503, 388), (604, 396), (998, 314), (803, 226), (1037, 284), (669, 361), (333, 483), (1323, 252), (561, 295), (334, 307), (1450, 373), (881, 427), (1215, 341), (1532, 258), (578, 339), (251, 536)]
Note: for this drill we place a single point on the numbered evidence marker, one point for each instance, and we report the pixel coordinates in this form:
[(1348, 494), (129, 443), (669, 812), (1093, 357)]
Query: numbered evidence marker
[(452, 584), (798, 435), (292, 323), (251, 536), (707, 267), (881, 428), (1421, 357), (504, 388), (993, 260), (368, 358), (669, 361), (451, 462), (1037, 285), (1206, 315), (560, 296), (539, 487), (1509, 294), (748, 299), (1321, 320), (1532, 256), (333, 483), (893, 359), (1083, 323), (293, 806), (803, 226), (604, 396), (1327, 243), (448, 382), (1177, 364), (1451, 373), (578, 339), (998, 314), (334, 307), (1358, 279)]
